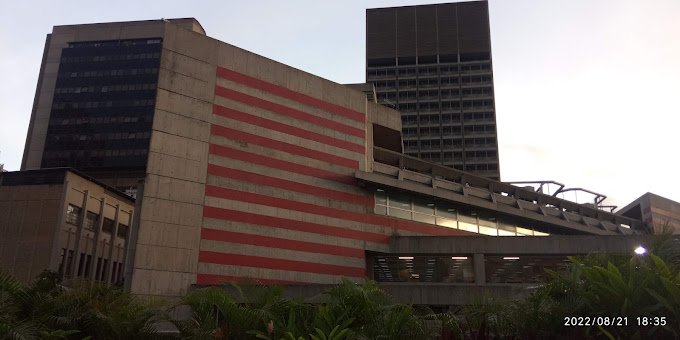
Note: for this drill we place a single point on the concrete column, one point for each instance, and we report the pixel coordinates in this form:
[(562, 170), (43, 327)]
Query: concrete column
[(79, 232), (480, 269), (92, 268), (114, 234), (131, 240), (56, 238)]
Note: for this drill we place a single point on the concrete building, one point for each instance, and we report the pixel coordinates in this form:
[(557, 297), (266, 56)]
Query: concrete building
[(258, 170), (659, 214), (433, 63), (62, 220)]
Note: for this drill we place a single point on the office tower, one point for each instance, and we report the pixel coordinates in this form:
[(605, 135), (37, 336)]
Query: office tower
[(94, 104), (433, 63)]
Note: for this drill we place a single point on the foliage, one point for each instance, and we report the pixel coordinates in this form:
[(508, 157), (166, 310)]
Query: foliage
[(592, 286), (47, 310)]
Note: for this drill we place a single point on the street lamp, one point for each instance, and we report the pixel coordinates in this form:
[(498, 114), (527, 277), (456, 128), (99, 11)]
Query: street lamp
[(640, 250)]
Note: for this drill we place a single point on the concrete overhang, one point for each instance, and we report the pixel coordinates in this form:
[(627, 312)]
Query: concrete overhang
[(471, 197)]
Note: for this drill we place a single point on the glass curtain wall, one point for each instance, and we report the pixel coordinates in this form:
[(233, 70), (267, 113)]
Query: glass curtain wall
[(446, 215)]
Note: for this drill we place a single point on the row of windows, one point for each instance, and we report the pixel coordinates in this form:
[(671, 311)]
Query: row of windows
[(129, 42), (102, 104), (106, 88), (434, 105), (427, 144), (446, 96), (110, 73), (100, 120), (100, 136), (446, 143), (84, 265), (97, 58), (454, 158), (445, 106), (74, 214), (67, 154), (446, 215), (413, 119), (446, 130), (430, 82), (430, 70), (469, 142)]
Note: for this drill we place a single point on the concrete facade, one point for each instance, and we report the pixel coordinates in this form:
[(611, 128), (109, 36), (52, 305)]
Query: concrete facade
[(60, 220), (659, 214)]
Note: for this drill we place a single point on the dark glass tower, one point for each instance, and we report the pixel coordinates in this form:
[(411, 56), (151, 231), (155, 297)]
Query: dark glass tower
[(433, 63), (103, 105)]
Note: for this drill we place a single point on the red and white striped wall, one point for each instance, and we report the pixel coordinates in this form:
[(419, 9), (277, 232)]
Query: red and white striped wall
[(281, 204)]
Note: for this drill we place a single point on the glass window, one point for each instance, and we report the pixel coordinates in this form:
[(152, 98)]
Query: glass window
[(524, 231), (468, 227), (73, 214), (380, 198), (423, 218), (423, 206), (381, 209), (90, 220), (400, 201), (107, 226), (405, 214), (445, 222), (122, 230), (502, 232), (488, 231)]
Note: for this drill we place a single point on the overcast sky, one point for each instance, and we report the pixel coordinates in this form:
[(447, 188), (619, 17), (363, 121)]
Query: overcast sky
[(587, 91)]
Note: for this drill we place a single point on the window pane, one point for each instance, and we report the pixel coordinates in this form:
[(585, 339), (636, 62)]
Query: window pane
[(400, 201), (90, 220), (468, 227), (488, 231), (380, 198), (502, 232), (405, 214), (381, 210), (524, 231), (445, 222), (423, 218), (444, 211), (423, 207), (72, 214)]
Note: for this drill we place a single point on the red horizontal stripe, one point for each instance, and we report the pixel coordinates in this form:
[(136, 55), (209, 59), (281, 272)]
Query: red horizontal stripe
[(288, 111), (216, 280), (274, 163), (273, 242), (287, 129), (278, 202), (279, 264), (283, 146), (289, 94), (282, 223), (288, 185)]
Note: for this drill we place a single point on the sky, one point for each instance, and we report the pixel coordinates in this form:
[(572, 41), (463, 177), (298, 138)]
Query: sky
[(586, 90)]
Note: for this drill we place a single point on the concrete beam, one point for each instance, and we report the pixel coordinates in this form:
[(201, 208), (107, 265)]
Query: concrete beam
[(543, 245)]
